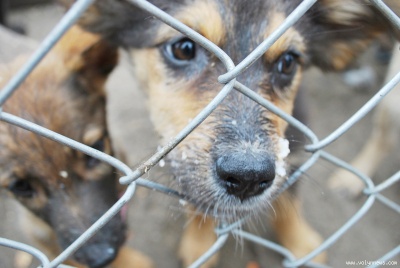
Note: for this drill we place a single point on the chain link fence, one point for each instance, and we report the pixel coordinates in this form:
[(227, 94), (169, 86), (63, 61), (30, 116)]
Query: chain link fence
[(132, 177)]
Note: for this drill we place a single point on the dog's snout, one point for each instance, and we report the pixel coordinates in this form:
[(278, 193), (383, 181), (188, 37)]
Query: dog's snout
[(96, 255), (245, 175)]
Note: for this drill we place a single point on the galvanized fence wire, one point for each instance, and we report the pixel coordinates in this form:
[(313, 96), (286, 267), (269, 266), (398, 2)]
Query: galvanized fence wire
[(132, 178)]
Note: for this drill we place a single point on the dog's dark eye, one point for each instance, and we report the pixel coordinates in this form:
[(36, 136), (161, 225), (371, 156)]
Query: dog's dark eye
[(181, 51), (284, 69), (22, 188), (286, 64), (91, 162)]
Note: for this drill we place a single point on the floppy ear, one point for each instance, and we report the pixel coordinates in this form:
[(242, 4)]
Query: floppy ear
[(98, 61), (343, 29), (89, 57), (122, 23)]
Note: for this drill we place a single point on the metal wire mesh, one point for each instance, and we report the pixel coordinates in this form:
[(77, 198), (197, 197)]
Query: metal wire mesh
[(133, 177)]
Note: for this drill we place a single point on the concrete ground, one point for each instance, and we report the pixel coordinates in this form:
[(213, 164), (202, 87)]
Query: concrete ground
[(157, 220)]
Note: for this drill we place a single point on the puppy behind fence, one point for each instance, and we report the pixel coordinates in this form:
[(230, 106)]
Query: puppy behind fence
[(316, 146)]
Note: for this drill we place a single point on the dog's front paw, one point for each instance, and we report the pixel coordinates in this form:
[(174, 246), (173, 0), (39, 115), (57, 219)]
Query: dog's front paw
[(346, 184), (22, 259), (197, 238), (302, 241), (128, 257)]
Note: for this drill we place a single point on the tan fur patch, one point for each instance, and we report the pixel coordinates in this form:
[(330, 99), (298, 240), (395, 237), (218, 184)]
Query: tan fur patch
[(202, 16), (93, 134), (343, 12), (291, 39), (197, 238), (292, 229), (160, 87), (344, 53), (73, 44)]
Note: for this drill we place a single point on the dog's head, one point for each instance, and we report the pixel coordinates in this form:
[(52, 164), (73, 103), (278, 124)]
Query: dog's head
[(234, 162), (65, 188)]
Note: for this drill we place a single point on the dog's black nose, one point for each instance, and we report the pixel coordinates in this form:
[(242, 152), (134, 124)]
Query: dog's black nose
[(96, 255), (245, 175)]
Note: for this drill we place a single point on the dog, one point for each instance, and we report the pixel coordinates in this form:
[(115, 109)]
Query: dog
[(65, 191), (383, 139), (234, 163)]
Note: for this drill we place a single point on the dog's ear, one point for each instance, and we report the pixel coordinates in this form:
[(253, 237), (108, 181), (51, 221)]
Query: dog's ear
[(88, 56), (98, 61), (343, 29), (122, 23)]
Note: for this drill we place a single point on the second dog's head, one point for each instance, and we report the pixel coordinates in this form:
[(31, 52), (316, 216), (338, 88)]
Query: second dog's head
[(234, 162), (65, 188)]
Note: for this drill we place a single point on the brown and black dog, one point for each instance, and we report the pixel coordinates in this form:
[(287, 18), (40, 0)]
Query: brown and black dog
[(66, 190), (233, 164)]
